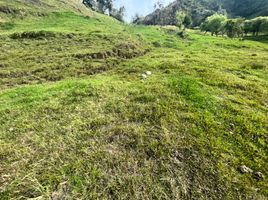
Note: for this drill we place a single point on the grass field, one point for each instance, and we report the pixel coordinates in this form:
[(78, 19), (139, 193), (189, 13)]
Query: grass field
[(79, 122)]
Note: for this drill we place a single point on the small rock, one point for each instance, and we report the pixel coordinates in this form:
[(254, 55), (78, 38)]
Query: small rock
[(143, 76), (244, 169), (148, 73), (258, 175)]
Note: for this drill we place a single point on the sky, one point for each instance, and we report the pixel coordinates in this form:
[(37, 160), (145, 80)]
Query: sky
[(142, 7)]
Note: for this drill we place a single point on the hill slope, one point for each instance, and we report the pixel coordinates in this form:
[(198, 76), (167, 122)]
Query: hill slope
[(247, 9), (167, 15), (27, 7), (78, 122), (200, 9)]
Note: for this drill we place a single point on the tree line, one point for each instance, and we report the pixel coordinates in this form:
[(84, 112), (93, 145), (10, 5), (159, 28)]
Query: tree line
[(106, 7), (218, 24)]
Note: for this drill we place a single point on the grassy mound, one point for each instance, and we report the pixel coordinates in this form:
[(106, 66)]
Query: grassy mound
[(33, 35)]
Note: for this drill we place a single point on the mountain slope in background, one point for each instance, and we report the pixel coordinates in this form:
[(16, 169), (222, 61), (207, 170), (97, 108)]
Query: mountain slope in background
[(247, 8), (200, 9), (167, 16)]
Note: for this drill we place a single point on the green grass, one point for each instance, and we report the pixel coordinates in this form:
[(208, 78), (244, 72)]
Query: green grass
[(78, 127)]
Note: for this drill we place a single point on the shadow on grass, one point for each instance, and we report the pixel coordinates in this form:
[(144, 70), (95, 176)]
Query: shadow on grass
[(261, 38)]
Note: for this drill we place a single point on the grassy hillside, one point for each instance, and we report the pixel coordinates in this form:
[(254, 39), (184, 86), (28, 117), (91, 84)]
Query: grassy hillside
[(79, 122)]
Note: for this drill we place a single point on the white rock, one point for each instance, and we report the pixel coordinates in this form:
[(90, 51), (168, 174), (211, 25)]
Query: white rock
[(149, 73), (258, 175), (143, 76), (245, 169)]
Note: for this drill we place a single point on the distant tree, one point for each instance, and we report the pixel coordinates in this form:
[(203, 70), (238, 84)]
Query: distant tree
[(119, 13), (248, 28), (109, 5), (136, 19), (259, 25), (90, 3), (106, 6), (214, 24), (204, 26), (183, 20), (180, 17), (158, 5), (234, 27), (102, 6), (99, 5), (256, 25), (264, 25), (187, 21)]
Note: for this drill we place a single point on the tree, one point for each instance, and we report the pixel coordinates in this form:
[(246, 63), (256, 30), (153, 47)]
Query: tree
[(109, 5), (136, 19), (183, 20), (119, 14), (90, 3), (104, 6), (187, 21), (259, 25), (180, 17), (204, 26), (234, 27), (256, 25), (158, 5), (264, 25), (100, 5), (214, 24), (248, 28)]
